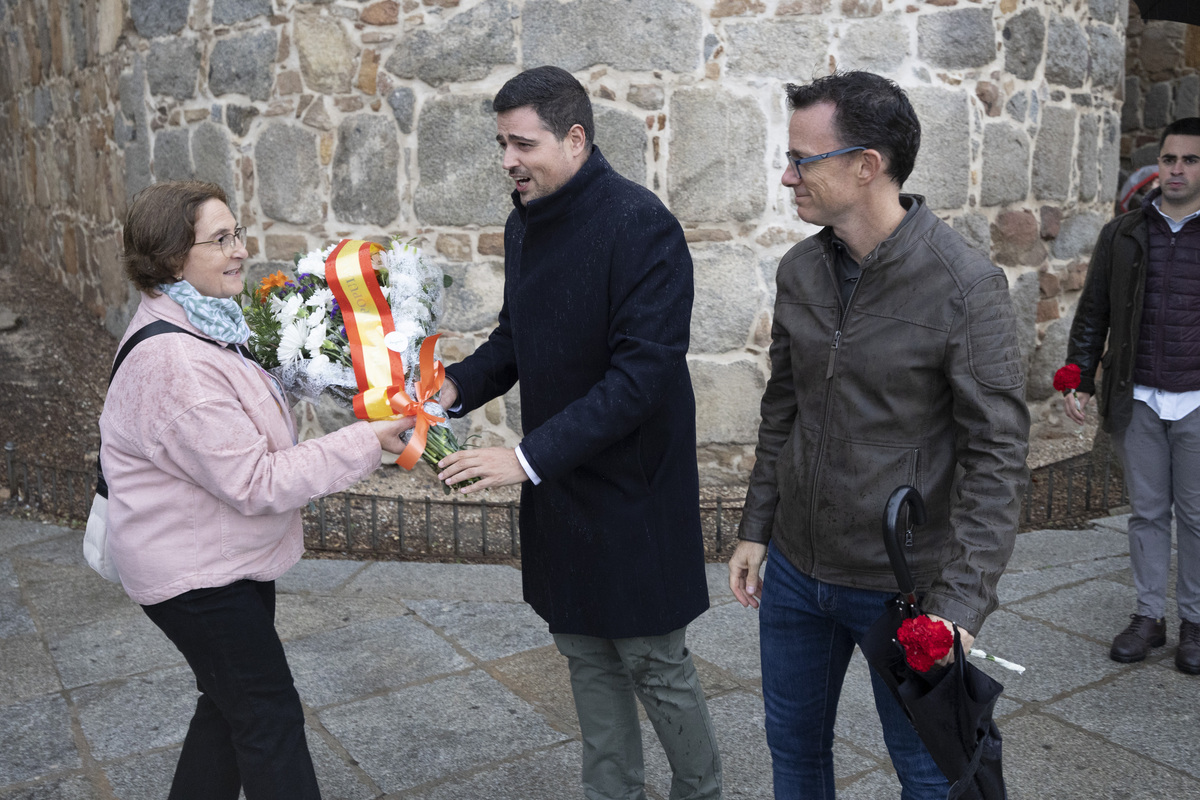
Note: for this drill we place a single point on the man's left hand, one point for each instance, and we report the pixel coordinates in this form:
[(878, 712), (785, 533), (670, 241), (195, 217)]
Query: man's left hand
[(494, 466), (967, 640)]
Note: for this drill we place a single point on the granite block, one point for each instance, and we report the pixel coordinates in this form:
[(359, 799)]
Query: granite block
[(297, 616), (477, 582), (1056, 662), (1059, 760), (486, 630), (552, 772), (26, 670), (430, 732), (357, 660), (36, 739), (1152, 710), (137, 714), (727, 635), (318, 575), (111, 648)]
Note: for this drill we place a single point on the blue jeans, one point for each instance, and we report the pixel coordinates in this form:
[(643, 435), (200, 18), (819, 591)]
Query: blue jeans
[(248, 729), (807, 633)]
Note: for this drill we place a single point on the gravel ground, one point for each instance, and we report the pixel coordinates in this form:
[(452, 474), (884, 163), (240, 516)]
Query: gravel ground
[(54, 365)]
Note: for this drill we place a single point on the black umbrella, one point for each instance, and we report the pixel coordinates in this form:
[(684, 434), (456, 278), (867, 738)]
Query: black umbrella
[(1176, 10), (950, 707)]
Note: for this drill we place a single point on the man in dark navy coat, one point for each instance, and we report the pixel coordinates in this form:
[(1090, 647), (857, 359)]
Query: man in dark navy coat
[(595, 325)]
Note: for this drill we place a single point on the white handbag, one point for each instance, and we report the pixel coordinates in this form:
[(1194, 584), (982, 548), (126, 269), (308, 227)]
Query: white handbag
[(95, 540)]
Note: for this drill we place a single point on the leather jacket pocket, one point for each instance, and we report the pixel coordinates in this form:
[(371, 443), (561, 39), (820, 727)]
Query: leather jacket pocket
[(850, 503)]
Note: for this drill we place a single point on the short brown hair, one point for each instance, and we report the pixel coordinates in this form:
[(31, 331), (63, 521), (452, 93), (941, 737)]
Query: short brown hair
[(160, 229)]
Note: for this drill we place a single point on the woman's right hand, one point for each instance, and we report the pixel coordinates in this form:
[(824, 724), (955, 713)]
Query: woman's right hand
[(388, 432)]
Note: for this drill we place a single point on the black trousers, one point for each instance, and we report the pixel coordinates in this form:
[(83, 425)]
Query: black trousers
[(248, 729)]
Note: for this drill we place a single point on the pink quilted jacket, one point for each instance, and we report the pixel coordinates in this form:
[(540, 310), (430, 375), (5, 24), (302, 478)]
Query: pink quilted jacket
[(205, 479)]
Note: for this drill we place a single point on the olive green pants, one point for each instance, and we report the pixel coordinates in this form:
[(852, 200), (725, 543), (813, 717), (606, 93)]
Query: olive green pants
[(606, 676)]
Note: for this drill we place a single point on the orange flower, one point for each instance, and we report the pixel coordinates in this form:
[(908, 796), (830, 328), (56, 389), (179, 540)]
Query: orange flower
[(270, 282)]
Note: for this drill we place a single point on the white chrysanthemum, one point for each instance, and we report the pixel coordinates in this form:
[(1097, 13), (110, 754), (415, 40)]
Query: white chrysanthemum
[(315, 338), (413, 309), (320, 303), (291, 342), (404, 285), (321, 298), (313, 262), (285, 310)]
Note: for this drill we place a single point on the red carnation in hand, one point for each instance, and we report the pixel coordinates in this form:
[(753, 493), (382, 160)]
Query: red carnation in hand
[(924, 641), (1067, 378)]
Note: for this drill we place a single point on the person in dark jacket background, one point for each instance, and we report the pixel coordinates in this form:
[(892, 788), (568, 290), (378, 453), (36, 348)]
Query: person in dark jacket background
[(1142, 294), (595, 325), (894, 361)]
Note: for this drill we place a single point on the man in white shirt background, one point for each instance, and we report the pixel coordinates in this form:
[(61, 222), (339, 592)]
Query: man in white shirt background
[(1142, 297)]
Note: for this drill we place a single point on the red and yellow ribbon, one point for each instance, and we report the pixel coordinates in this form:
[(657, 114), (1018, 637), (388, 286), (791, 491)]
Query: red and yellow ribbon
[(378, 370)]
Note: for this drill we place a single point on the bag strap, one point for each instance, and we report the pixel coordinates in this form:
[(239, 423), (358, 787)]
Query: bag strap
[(139, 336), (144, 333)]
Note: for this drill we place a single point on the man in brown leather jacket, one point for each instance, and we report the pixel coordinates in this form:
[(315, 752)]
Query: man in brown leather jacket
[(1142, 297), (894, 360)]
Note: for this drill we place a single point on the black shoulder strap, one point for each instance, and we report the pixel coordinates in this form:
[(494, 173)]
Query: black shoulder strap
[(139, 336), (144, 333)]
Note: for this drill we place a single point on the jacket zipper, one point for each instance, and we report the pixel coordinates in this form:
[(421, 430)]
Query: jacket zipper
[(837, 340), (912, 481)]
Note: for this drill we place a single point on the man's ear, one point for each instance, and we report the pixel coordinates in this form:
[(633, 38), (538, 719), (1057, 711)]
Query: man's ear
[(576, 140), (871, 166)]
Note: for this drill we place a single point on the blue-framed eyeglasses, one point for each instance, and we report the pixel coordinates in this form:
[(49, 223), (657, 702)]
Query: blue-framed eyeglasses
[(798, 162), (228, 242)]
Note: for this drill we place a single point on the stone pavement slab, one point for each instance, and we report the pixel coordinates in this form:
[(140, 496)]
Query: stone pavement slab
[(367, 658), (36, 739), (487, 630), (1154, 711), (549, 772), (428, 733), (135, 714), (1061, 761), (416, 581), (434, 681), (26, 669)]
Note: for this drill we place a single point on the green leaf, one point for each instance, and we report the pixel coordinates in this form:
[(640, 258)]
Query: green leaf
[(447, 281)]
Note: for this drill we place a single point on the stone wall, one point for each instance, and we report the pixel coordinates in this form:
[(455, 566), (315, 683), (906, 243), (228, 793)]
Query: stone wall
[(334, 118), (1162, 83)]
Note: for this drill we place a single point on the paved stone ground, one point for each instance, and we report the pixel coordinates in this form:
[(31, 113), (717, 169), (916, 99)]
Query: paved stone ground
[(435, 681)]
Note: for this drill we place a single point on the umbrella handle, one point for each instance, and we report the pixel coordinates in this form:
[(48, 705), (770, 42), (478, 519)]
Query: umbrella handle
[(904, 495)]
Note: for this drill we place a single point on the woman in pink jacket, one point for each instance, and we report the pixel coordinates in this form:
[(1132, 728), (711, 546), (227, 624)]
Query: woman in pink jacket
[(206, 482)]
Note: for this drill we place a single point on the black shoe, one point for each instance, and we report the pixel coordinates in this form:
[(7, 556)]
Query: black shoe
[(1134, 643), (1187, 657)]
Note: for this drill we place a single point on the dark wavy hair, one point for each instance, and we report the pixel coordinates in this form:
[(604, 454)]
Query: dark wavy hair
[(160, 230), (559, 100), (871, 111)]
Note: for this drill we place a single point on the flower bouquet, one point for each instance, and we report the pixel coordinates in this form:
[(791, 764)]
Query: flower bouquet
[(358, 322)]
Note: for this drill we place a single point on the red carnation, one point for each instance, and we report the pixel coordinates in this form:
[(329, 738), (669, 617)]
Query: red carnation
[(924, 641), (1067, 378)]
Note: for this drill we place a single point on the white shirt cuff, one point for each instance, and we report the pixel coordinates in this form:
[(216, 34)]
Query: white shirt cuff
[(533, 476)]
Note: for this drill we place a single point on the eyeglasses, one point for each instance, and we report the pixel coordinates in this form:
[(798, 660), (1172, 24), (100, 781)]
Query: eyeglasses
[(229, 242), (797, 162)]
